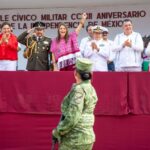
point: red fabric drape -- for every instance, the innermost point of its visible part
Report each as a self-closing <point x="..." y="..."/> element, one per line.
<point x="111" y="88"/>
<point x="139" y="93"/>
<point x="30" y="109"/>
<point x="43" y="92"/>
<point x="33" y="132"/>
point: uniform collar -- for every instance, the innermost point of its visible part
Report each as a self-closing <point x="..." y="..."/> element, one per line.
<point x="83" y="82"/>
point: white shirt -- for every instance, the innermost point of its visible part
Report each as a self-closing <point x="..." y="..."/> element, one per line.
<point x="100" y="58"/>
<point x="112" y="54"/>
<point x="83" y="44"/>
<point x="128" y="56"/>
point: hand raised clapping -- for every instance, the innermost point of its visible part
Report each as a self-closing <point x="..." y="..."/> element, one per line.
<point x="127" y="43"/>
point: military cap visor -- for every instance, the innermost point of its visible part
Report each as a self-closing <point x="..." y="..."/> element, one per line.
<point x="39" y="25"/>
<point x="84" y="64"/>
<point x="97" y="29"/>
<point x="104" y="29"/>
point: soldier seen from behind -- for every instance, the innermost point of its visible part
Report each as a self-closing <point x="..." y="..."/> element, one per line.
<point x="75" y="130"/>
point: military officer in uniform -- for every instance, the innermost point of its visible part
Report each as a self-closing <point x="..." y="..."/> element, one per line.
<point x="37" y="48"/>
<point x="75" y="130"/>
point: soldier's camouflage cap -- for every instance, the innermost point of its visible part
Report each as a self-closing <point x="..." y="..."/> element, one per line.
<point x="39" y="25"/>
<point x="84" y="64"/>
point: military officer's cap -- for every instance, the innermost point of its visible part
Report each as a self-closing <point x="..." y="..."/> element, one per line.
<point x="104" y="29"/>
<point x="84" y="64"/>
<point x="39" y="25"/>
<point x="97" y="29"/>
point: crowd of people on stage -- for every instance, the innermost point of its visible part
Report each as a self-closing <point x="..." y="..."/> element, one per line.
<point x="128" y="52"/>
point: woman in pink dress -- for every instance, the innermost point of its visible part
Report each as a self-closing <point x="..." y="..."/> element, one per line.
<point x="65" y="47"/>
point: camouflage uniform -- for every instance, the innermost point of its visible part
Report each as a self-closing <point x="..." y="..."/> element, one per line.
<point x="76" y="130"/>
<point x="39" y="57"/>
<point x="76" y="147"/>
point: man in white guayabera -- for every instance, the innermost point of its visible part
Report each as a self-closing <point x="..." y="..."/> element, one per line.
<point x="128" y="47"/>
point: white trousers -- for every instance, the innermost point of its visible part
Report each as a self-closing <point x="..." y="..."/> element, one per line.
<point x="8" y="65"/>
<point x="129" y="69"/>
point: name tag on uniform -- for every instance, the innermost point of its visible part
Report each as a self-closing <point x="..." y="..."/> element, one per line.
<point x="101" y="45"/>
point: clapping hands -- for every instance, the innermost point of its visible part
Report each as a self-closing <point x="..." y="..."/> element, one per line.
<point x="127" y="43"/>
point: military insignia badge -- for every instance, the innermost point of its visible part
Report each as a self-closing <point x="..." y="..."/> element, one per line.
<point x="46" y="42"/>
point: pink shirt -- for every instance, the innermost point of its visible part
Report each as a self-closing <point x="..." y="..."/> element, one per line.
<point x="65" y="53"/>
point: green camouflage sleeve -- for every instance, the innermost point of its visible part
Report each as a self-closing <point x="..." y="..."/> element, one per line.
<point x="74" y="112"/>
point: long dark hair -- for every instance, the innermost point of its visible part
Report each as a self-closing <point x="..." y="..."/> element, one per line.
<point x="66" y="35"/>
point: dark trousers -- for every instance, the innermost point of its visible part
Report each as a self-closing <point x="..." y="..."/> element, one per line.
<point x="111" y="66"/>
